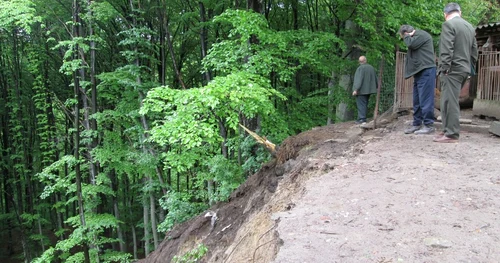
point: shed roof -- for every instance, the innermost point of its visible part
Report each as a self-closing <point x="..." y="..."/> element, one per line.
<point x="489" y="25"/>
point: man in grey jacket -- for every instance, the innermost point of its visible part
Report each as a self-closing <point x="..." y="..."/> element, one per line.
<point x="420" y="63"/>
<point x="365" y="84"/>
<point x="457" y="54"/>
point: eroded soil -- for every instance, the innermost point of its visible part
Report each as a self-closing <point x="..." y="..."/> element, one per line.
<point x="342" y="194"/>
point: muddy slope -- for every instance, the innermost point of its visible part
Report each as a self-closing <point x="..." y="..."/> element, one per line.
<point x="245" y="229"/>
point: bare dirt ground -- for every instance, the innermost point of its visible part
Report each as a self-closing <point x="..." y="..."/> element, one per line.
<point x="404" y="198"/>
<point x="342" y="194"/>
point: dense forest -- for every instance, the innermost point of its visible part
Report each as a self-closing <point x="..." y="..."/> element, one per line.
<point x="121" y="118"/>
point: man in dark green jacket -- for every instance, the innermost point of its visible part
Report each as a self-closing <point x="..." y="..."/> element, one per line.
<point x="457" y="53"/>
<point x="420" y="63"/>
<point x="365" y="84"/>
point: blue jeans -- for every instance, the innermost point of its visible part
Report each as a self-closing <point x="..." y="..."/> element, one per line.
<point x="423" y="97"/>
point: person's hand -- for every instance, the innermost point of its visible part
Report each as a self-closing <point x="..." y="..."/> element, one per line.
<point x="444" y="72"/>
<point x="354" y="93"/>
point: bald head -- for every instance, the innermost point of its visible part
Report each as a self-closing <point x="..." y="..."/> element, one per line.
<point x="362" y="60"/>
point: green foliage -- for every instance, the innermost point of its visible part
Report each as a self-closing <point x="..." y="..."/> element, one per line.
<point x="225" y="173"/>
<point x="52" y="179"/>
<point x="480" y="11"/>
<point x="192" y="117"/>
<point x="91" y="233"/>
<point x="192" y="256"/>
<point x="20" y="13"/>
<point x="180" y="207"/>
<point x="111" y="256"/>
<point x="70" y="64"/>
<point x="309" y="111"/>
<point x="135" y="39"/>
<point x="47" y="256"/>
<point x="274" y="52"/>
<point x="253" y="154"/>
<point x="104" y="11"/>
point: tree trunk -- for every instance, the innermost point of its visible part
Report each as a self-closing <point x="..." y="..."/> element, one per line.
<point x="146" y="221"/>
<point x="60" y="219"/>
<point x="331" y="107"/>
<point x="154" y="225"/>
<point x="76" y="135"/>
<point x="129" y="202"/>
<point x="119" y="231"/>
<point x="162" y="68"/>
<point x="39" y="224"/>
<point x="134" y="238"/>
<point x="203" y="39"/>
<point x="172" y="55"/>
<point x="254" y="5"/>
<point x="92" y="123"/>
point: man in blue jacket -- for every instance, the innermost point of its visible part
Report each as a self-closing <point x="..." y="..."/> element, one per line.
<point x="457" y="53"/>
<point x="421" y="64"/>
<point x="365" y="84"/>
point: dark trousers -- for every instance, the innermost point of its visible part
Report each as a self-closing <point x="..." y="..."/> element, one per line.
<point x="451" y="85"/>
<point x="362" y="104"/>
<point x="423" y="97"/>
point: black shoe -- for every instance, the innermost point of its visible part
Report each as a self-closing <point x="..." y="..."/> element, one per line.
<point x="426" y="130"/>
<point x="412" y="129"/>
<point x="360" y="122"/>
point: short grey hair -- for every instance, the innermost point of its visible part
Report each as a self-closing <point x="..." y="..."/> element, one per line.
<point x="451" y="7"/>
<point x="405" y="29"/>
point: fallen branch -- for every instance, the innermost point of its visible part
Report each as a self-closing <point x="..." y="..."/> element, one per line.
<point x="271" y="147"/>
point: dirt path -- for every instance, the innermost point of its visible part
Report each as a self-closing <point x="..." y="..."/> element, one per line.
<point x="403" y="199"/>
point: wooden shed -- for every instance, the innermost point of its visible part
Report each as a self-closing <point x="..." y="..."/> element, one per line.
<point x="487" y="99"/>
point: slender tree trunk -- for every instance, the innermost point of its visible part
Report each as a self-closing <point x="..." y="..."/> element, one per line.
<point x="203" y="40"/>
<point x="162" y="68"/>
<point x="310" y="16"/>
<point x="134" y="238"/>
<point x="119" y="231"/>
<point x="154" y="225"/>
<point x="93" y="98"/>
<point x="76" y="135"/>
<point x="128" y="201"/>
<point x="91" y="109"/>
<point x="60" y="220"/>
<point x="254" y="5"/>
<point x="295" y="15"/>
<point x="169" y="176"/>
<point x="172" y="55"/>
<point x="178" y="182"/>
<point x="146" y="221"/>
<point x="331" y="107"/>
<point x="39" y="224"/>
<point x="7" y="192"/>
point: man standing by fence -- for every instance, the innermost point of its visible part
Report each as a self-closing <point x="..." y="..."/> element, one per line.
<point x="365" y="84"/>
<point x="421" y="64"/>
<point x="457" y="54"/>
